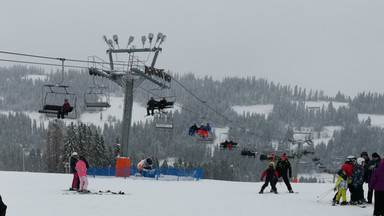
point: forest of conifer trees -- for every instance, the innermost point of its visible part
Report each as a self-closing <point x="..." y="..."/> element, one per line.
<point x="48" y="148"/>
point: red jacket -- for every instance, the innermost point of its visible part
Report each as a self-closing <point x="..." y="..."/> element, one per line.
<point x="270" y="177"/>
<point x="348" y="168"/>
<point x="66" y="106"/>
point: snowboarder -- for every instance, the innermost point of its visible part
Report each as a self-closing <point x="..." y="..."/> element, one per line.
<point x="3" y="207"/>
<point x="377" y="184"/>
<point x="341" y="186"/>
<point x="283" y="167"/>
<point x="75" y="181"/>
<point x="271" y="177"/>
<point x="81" y="167"/>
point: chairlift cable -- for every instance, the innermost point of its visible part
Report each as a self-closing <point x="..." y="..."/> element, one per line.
<point x="41" y="63"/>
<point x="214" y="110"/>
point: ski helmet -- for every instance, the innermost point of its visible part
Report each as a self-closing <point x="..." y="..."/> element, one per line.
<point x="271" y="164"/>
<point x="360" y="160"/>
<point x="74" y="154"/>
<point x="351" y="158"/>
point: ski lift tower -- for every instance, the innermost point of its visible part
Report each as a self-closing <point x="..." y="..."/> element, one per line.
<point x="130" y="73"/>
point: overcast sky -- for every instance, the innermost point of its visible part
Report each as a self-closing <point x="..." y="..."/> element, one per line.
<point x="321" y="44"/>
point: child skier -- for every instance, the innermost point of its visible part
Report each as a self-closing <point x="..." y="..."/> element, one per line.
<point x="271" y="177"/>
<point x="342" y="185"/>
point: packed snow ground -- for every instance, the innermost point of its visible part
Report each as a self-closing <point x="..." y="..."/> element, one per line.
<point x="43" y="194"/>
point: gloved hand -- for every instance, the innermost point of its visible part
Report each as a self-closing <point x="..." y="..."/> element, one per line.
<point x="356" y="186"/>
<point x="335" y="189"/>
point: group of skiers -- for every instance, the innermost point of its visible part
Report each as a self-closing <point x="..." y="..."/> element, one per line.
<point x="203" y="130"/>
<point x="79" y="168"/>
<point x="283" y="170"/>
<point x="354" y="173"/>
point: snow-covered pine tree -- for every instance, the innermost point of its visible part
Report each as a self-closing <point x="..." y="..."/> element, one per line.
<point x="54" y="140"/>
<point x="69" y="144"/>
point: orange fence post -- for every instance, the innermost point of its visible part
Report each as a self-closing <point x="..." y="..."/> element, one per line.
<point x="123" y="166"/>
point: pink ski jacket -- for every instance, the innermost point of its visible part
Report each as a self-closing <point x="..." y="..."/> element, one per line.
<point x="81" y="168"/>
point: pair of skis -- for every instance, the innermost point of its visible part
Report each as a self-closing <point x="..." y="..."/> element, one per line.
<point x="107" y="192"/>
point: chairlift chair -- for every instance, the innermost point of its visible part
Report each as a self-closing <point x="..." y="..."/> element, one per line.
<point x="227" y="142"/>
<point x="163" y="122"/>
<point x="54" y="95"/>
<point x="96" y="98"/>
<point x="206" y="139"/>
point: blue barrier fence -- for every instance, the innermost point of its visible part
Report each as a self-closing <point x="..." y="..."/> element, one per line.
<point x="155" y="173"/>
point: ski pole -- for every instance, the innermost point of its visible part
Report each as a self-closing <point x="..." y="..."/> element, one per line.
<point x="321" y="196"/>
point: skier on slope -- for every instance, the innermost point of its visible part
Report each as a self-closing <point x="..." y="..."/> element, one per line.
<point x="348" y="169"/>
<point x="283" y="167"/>
<point x="341" y="186"/>
<point x="357" y="195"/>
<point x="82" y="167"/>
<point x="75" y="181"/>
<point x="377" y="184"/>
<point x="271" y="177"/>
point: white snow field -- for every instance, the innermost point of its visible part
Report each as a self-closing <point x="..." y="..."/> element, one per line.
<point x="376" y="120"/>
<point x="43" y="194"/>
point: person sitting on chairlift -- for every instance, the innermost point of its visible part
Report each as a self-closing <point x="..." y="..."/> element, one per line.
<point x="151" y="106"/>
<point x="193" y="129"/>
<point x="206" y="129"/>
<point x="201" y="131"/>
<point x="162" y="103"/>
<point x="64" y="109"/>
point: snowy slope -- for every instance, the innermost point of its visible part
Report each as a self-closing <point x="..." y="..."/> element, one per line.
<point x="29" y="194"/>
<point x="376" y="120"/>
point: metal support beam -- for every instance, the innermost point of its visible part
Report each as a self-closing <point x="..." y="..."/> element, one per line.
<point x="127" y="115"/>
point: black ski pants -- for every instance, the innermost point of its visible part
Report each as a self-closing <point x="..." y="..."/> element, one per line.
<point x="286" y="181"/>
<point x="370" y="194"/>
<point x="3" y="208"/>
<point x="379" y="203"/>
<point x="356" y="193"/>
<point x="273" y="185"/>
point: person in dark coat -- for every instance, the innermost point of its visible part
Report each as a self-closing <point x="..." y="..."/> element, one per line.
<point x="193" y="129"/>
<point x="271" y="177"/>
<point x="151" y="106"/>
<point x="76" y="180"/>
<point x="64" y="109"/>
<point x="357" y="195"/>
<point x="3" y="207"/>
<point x="284" y="169"/>
<point x="377" y="184"/>
<point x="162" y="103"/>
<point x="365" y="156"/>
<point x="371" y="166"/>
